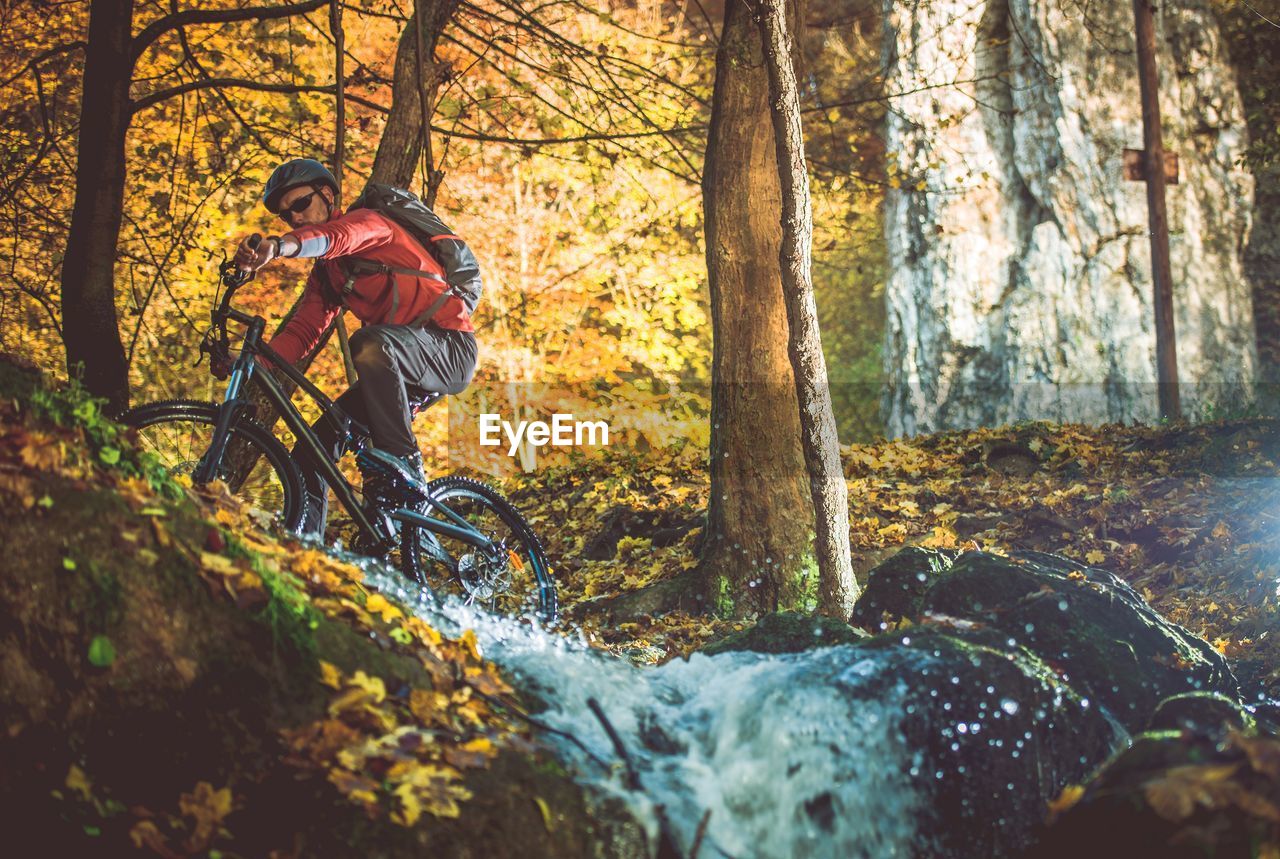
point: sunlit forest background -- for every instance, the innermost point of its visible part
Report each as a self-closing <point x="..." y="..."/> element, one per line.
<point x="569" y="140"/>
<point x="570" y="137"/>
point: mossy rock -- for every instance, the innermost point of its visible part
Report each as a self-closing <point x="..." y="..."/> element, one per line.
<point x="787" y="632"/>
<point x="896" y="587"/>
<point x="1181" y="794"/>
<point x="1087" y="623"/>
<point x="991" y="732"/>
<point x="1203" y="713"/>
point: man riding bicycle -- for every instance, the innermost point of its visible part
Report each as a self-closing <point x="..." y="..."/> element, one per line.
<point x="417" y="337"/>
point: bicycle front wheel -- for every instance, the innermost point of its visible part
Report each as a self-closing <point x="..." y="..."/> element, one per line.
<point x="517" y="582"/>
<point x="179" y="432"/>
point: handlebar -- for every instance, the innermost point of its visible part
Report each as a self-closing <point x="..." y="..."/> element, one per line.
<point x="232" y="278"/>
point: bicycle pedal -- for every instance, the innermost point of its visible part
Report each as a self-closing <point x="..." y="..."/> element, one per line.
<point x="400" y="484"/>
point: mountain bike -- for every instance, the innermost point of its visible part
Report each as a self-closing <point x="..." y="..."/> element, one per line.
<point x="483" y="545"/>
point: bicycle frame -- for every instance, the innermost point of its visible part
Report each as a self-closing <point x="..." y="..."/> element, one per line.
<point x="242" y="372"/>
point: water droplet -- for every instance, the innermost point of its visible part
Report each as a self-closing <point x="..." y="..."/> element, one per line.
<point x="1009" y="705"/>
<point x="1062" y="605"/>
<point x="990" y="690"/>
<point x="1030" y="628"/>
<point x="921" y="577"/>
<point x="962" y="728"/>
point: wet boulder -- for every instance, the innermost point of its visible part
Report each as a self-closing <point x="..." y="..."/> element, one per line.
<point x="895" y="588"/>
<point x="1176" y="794"/>
<point x="1086" y="623"/>
<point x="993" y="732"/>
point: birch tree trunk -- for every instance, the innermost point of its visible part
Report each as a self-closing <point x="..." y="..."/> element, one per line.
<point x="837" y="589"/>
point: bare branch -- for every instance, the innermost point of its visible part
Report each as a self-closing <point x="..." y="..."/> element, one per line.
<point x="241" y="83"/>
<point x="217" y="16"/>
<point x="552" y="141"/>
<point x="41" y="57"/>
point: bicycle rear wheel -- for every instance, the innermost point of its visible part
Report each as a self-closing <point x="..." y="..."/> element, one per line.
<point x="518" y="583"/>
<point x="180" y="431"/>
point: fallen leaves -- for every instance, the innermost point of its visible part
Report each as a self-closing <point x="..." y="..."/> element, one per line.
<point x="196" y="828"/>
<point x="1177" y="792"/>
<point x="236" y="578"/>
<point x="1065" y="800"/>
<point x="42" y="452"/>
<point x="401" y="756"/>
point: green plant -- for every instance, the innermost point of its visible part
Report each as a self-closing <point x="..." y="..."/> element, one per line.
<point x="75" y="408"/>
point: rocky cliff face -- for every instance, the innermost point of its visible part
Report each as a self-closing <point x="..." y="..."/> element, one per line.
<point x="1020" y="283"/>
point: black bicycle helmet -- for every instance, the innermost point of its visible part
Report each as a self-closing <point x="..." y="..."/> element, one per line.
<point x="291" y="174"/>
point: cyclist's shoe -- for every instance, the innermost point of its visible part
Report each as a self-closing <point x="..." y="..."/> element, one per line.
<point x="390" y="483"/>
<point x="395" y="480"/>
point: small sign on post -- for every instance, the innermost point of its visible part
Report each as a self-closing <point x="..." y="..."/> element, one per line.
<point x="1135" y="166"/>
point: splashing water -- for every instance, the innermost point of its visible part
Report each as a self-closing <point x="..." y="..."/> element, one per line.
<point x="779" y="749"/>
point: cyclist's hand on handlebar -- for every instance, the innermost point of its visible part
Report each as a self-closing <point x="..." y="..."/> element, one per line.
<point x="253" y="253"/>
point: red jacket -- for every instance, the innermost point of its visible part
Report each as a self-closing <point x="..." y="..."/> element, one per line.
<point x="368" y="235"/>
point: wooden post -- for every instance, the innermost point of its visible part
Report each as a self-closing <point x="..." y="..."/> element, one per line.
<point x="340" y="154"/>
<point x="1161" y="272"/>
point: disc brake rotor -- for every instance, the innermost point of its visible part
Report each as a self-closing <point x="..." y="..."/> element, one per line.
<point x="484" y="578"/>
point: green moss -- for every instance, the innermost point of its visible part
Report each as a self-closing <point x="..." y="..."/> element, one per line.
<point x="18" y="383"/>
<point x="103" y="599"/>
<point x="288" y="611"/>
<point x="724" y="596"/>
<point x="808" y="577"/>
<point x="787" y="632"/>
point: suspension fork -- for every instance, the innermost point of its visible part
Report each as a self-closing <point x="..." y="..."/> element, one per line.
<point x="232" y="407"/>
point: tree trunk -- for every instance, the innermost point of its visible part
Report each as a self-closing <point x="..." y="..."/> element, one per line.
<point x="412" y="91"/>
<point x="89" y="325"/>
<point x="757" y="555"/>
<point x="837" y="589"/>
<point x="398" y="153"/>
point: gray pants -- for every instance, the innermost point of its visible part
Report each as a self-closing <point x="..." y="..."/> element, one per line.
<point x="394" y="363"/>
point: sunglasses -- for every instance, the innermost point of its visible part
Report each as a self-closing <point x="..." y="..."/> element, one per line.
<point x="298" y="206"/>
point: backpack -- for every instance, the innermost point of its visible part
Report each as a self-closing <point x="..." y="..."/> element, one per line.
<point x="462" y="271"/>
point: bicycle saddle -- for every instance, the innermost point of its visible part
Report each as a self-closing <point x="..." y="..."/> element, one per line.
<point x="420" y="398"/>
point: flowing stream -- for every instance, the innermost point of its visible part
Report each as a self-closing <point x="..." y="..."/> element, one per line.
<point x="778" y="753"/>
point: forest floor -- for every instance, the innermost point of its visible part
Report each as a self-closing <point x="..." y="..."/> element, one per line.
<point x="1187" y="514"/>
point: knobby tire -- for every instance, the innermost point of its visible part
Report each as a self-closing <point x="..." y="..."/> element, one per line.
<point x="191" y="414"/>
<point x="532" y="589"/>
